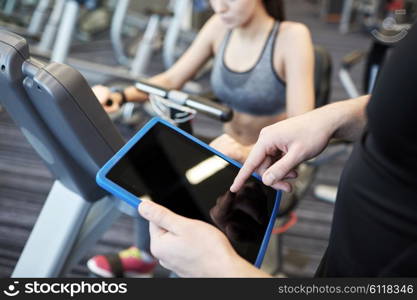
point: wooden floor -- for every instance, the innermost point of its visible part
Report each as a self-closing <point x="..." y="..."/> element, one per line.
<point x="25" y="182"/>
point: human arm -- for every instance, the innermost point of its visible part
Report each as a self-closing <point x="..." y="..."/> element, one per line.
<point x="295" y="58"/>
<point x="286" y="144"/>
<point x="298" y="66"/>
<point x="175" y="77"/>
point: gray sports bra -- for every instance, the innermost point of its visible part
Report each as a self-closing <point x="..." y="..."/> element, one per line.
<point x="258" y="91"/>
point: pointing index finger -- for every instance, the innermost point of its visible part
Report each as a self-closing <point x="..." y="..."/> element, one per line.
<point x="255" y="158"/>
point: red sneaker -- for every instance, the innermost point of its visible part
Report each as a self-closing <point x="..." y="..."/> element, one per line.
<point x="131" y="262"/>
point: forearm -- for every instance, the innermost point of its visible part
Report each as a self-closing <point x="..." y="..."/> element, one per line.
<point x="166" y="80"/>
<point x="238" y="267"/>
<point x="247" y="270"/>
<point x="344" y="120"/>
<point x="347" y="118"/>
<point x="187" y="65"/>
<point x="162" y="80"/>
<point x="300" y="101"/>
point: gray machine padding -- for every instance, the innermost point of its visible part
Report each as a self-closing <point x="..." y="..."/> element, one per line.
<point x="59" y="115"/>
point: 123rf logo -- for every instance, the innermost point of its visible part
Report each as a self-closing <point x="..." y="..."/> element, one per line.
<point x="72" y="289"/>
<point x="12" y="290"/>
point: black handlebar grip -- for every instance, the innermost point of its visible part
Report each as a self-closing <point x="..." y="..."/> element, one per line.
<point x="201" y="104"/>
<point x="211" y="108"/>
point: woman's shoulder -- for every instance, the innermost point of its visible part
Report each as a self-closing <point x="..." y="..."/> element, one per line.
<point x="214" y="30"/>
<point x="213" y="26"/>
<point x="290" y="29"/>
<point x="292" y="36"/>
<point x="294" y="39"/>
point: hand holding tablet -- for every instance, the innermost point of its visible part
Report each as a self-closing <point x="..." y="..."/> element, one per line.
<point x="172" y="168"/>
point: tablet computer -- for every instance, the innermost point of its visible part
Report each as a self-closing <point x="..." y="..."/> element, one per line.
<point x="167" y="165"/>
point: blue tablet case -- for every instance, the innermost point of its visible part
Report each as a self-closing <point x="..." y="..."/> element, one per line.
<point x="134" y="201"/>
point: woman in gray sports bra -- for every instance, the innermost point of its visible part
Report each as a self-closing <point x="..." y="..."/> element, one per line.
<point x="259" y="91"/>
<point x="257" y="95"/>
<point x="263" y="69"/>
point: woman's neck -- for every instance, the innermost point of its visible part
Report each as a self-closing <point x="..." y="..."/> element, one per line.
<point x="258" y="23"/>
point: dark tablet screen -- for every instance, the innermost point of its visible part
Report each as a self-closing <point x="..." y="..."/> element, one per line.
<point x="194" y="182"/>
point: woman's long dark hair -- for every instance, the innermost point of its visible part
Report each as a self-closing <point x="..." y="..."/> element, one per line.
<point x="275" y="9"/>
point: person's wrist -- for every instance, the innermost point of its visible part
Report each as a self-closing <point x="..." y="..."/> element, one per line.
<point x="335" y="116"/>
<point x="134" y="95"/>
<point x="349" y="118"/>
<point x="247" y="270"/>
<point x="332" y="118"/>
<point x="119" y="95"/>
<point x="123" y="98"/>
<point x="234" y="266"/>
